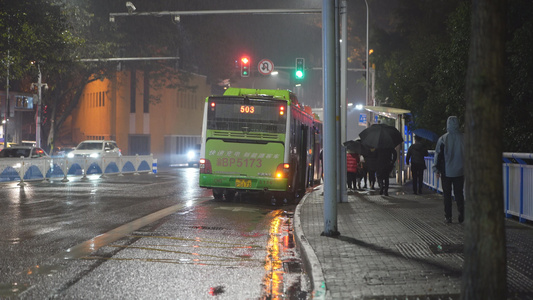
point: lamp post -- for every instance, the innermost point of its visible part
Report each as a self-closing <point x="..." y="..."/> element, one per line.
<point x="6" y="112"/>
<point x="367" y="62"/>
<point x="39" y="85"/>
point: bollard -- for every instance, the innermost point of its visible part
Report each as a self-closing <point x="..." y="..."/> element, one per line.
<point x="103" y="168"/>
<point x="136" y="165"/>
<point x="85" y="168"/>
<point x="154" y="165"/>
<point x="65" y="172"/>
<point x="22" y="183"/>
<point x="120" y="166"/>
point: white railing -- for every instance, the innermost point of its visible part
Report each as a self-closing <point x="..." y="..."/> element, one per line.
<point x="517" y="184"/>
<point x="28" y="169"/>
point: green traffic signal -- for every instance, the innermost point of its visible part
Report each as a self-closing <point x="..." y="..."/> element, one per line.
<point x="300" y="68"/>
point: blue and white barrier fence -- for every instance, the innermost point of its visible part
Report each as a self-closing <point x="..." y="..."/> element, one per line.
<point x="517" y="183"/>
<point x="31" y="169"/>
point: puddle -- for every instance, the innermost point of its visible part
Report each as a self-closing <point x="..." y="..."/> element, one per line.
<point x="283" y="272"/>
<point x="9" y="290"/>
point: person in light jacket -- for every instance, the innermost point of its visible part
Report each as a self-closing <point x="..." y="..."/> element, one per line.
<point x="453" y="172"/>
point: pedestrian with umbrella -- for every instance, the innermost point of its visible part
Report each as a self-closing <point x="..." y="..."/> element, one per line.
<point x="371" y="161"/>
<point x="386" y="157"/>
<point x="384" y="139"/>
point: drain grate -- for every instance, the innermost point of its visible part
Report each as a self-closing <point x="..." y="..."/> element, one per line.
<point x="207" y="227"/>
<point x="292" y="266"/>
<point x="414" y="250"/>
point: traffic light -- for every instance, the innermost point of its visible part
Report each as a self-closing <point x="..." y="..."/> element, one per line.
<point x="245" y="67"/>
<point x="300" y="64"/>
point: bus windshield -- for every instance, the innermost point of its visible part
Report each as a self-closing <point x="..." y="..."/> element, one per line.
<point x="250" y="115"/>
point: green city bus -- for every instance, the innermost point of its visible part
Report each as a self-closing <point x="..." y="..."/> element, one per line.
<point x="256" y="140"/>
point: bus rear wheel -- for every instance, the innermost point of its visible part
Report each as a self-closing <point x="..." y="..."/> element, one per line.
<point x="230" y="195"/>
<point x="283" y="198"/>
<point x="218" y="194"/>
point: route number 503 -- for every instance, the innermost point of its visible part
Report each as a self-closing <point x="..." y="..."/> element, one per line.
<point x="247" y="109"/>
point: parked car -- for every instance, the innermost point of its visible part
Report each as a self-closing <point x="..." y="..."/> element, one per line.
<point x="17" y="151"/>
<point x="63" y="151"/>
<point x="96" y="148"/>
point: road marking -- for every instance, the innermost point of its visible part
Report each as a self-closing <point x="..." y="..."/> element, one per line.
<point x="238" y="208"/>
<point x="104" y="239"/>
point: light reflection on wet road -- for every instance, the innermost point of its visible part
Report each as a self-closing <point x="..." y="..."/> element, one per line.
<point x="143" y="237"/>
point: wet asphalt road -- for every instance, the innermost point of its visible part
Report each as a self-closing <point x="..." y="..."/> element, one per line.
<point x="143" y="237"/>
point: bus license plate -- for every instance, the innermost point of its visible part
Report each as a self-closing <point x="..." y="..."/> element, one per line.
<point x="243" y="183"/>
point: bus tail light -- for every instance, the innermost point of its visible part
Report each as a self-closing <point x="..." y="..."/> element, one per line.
<point x="282" y="171"/>
<point x="205" y="166"/>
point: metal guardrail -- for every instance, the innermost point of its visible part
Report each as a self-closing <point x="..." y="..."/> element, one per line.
<point x="32" y="169"/>
<point x="517" y="171"/>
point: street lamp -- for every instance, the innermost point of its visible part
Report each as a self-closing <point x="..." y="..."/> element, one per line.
<point x="39" y="85"/>
<point x="367" y="62"/>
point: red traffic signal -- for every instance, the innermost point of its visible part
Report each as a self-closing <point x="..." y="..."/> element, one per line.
<point x="245" y="67"/>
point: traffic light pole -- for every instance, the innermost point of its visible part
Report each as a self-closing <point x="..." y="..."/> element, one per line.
<point x="330" y="145"/>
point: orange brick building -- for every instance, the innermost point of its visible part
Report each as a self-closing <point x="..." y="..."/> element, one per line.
<point x="166" y="121"/>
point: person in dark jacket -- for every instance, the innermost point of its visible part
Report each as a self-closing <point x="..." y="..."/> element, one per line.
<point x="415" y="157"/>
<point x="352" y="160"/>
<point x="386" y="158"/>
<point x="453" y="177"/>
<point x="371" y="161"/>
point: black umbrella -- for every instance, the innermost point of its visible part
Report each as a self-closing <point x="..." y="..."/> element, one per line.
<point x="381" y="136"/>
<point x="426" y="134"/>
<point x="355" y="146"/>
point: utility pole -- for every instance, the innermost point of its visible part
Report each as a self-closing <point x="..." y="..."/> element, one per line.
<point x="343" y="10"/>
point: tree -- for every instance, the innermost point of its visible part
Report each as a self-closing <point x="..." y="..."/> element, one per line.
<point x="407" y="57"/>
<point x="35" y="32"/>
<point x="484" y="271"/>
<point x="518" y="107"/>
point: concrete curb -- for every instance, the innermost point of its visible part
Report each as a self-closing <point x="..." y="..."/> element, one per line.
<point x="311" y="262"/>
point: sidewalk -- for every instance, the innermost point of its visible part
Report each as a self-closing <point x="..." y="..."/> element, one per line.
<point x="397" y="247"/>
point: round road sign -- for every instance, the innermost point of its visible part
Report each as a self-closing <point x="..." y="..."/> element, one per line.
<point x="265" y="66"/>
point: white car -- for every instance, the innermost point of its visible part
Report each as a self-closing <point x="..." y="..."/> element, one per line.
<point x="17" y="151"/>
<point x="95" y="149"/>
